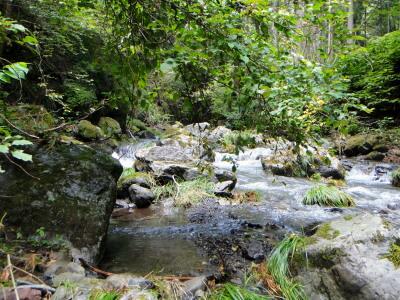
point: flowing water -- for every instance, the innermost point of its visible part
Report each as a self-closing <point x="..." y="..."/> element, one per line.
<point x="162" y="239"/>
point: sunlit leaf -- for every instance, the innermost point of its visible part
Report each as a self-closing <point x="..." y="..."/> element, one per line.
<point x="20" y="154"/>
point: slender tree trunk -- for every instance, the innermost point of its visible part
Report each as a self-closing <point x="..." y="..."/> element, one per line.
<point x="330" y="32"/>
<point x="350" y="21"/>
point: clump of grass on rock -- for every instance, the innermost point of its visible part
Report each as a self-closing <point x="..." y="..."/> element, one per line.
<point x="277" y="276"/>
<point x="396" y="178"/>
<point x="186" y="193"/>
<point x="394" y="254"/>
<point x="328" y="196"/>
<point x="234" y="292"/>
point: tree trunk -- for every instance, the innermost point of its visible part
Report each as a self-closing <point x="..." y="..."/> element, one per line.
<point x="350" y="21"/>
<point x="330" y="32"/>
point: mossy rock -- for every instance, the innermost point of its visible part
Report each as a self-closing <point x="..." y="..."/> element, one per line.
<point x="375" y="156"/>
<point x="74" y="197"/>
<point x="396" y="178"/>
<point x="130" y="177"/>
<point x="89" y="131"/>
<point x="30" y="118"/>
<point x="109" y="126"/>
<point x="381" y="148"/>
<point x="69" y="140"/>
<point x="137" y="123"/>
<point x="361" y="144"/>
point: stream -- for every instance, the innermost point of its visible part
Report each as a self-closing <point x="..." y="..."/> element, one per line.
<point x="168" y="240"/>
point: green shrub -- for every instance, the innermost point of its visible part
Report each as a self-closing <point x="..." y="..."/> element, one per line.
<point x="235" y="141"/>
<point x="374" y="72"/>
<point x="79" y="95"/>
<point x="328" y="196"/>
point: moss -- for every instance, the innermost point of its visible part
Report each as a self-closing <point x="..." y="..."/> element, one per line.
<point x="316" y="177"/>
<point x="361" y="144"/>
<point x="89" y="131"/>
<point x="394" y="254"/>
<point x="336" y="182"/>
<point x="375" y="156"/>
<point x="348" y="217"/>
<point x="326" y="232"/>
<point x="137" y="123"/>
<point x="381" y="148"/>
<point x="30" y="118"/>
<point x="129" y="174"/>
<point x="69" y="140"/>
<point x="328" y="196"/>
<point x="386" y="224"/>
<point x="396" y="178"/>
<point x="109" y="126"/>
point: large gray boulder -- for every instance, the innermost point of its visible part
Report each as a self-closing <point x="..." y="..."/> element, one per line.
<point x="169" y="161"/>
<point x="70" y="191"/>
<point x="346" y="260"/>
<point x="218" y="133"/>
<point x="198" y="129"/>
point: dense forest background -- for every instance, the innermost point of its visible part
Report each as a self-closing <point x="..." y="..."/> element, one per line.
<point x="297" y="69"/>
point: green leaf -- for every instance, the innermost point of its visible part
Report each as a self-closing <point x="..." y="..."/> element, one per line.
<point x="21" y="143"/>
<point x="4" y="148"/>
<point x="30" y="40"/>
<point x="245" y="59"/>
<point x="17" y="27"/>
<point x="20" y="154"/>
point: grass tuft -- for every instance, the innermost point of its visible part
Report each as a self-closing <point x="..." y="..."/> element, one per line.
<point x="104" y="295"/>
<point x="186" y="193"/>
<point x="234" y="292"/>
<point x="328" y="196"/>
<point x="394" y="254"/>
<point x="278" y="268"/>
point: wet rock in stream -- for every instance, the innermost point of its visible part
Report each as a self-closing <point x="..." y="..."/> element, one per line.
<point x="71" y="192"/>
<point x="142" y="197"/>
<point x="347" y="260"/>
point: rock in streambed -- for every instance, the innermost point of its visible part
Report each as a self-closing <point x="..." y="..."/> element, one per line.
<point x="70" y="191"/>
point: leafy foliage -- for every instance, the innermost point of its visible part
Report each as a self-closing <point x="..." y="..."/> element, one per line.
<point x="328" y="196"/>
<point x="374" y="72"/>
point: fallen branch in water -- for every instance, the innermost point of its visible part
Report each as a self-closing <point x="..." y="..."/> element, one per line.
<point x="93" y="269"/>
<point x="175" y="278"/>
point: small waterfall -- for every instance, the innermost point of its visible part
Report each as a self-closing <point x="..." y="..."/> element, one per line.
<point x="126" y="153"/>
<point x="368" y="172"/>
